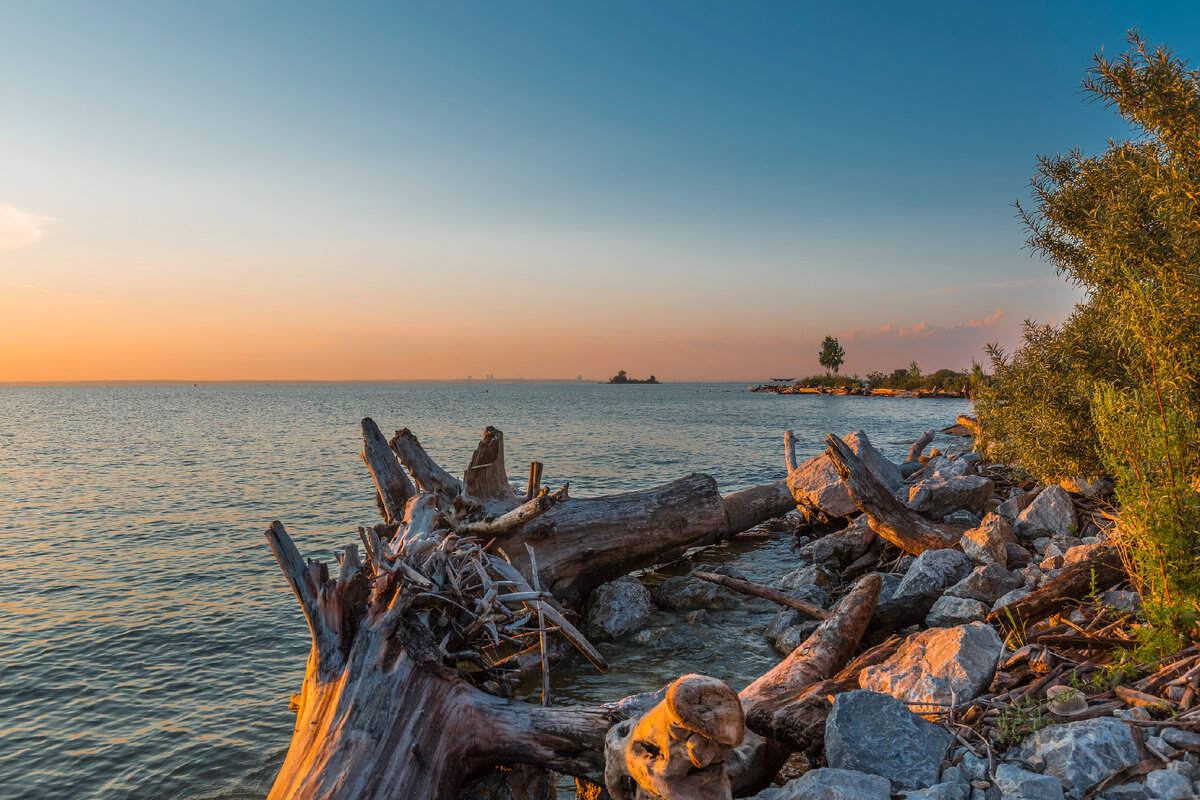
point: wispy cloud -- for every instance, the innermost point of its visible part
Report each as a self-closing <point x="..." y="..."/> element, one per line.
<point x="923" y="330"/>
<point x="20" y="228"/>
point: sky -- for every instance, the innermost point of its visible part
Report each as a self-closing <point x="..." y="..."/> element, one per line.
<point x="695" y="190"/>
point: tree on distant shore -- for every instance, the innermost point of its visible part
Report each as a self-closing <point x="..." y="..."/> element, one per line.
<point x="832" y="354"/>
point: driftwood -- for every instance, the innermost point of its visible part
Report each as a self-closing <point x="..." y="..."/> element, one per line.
<point x="418" y="644"/>
<point x="1101" y="571"/>
<point x="889" y="518"/>
<point x="765" y="592"/>
<point x="580" y="543"/>
<point x="918" y="447"/>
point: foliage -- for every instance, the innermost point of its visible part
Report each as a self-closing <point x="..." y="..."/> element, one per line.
<point x="1117" y="387"/>
<point x="1020" y="719"/>
<point x="621" y="377"/>
<point x="832" y="355"/>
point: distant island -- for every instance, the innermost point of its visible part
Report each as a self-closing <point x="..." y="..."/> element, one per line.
<point x="621" y="377"/>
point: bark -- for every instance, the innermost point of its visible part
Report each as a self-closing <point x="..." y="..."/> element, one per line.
<point x="918" y="447"/>
<point x="390" y="481"/>
<point x="888" y="517"/>
<point x="1102" y="570"/>
<point x="765" y="592"/>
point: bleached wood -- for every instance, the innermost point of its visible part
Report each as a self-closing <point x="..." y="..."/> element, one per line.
<point x="393" y="485"/>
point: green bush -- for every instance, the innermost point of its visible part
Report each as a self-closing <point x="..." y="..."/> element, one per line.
<point x="1117" y="387"/>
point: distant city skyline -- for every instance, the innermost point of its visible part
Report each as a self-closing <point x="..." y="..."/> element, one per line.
<point x="699" y="191"/>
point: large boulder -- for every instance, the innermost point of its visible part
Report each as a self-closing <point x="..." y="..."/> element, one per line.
<point x="1165" y="784"/>
<point x="1021" y="784"/>
<point x="1082" y="753"/>
<point x="816" y="483"/>
<point x="986" y="543"/>
<point x="936" y="497"/>
<point x="617" y="608"/>
<point x="986" y="584"/>
<point x="948" y="611"/>
<point x="829" y="783"/>
<point x="1051" y="513"/>
<point x="934" y="569"/>
<point x="938" y="666"/>
<point x="876" y="733"/>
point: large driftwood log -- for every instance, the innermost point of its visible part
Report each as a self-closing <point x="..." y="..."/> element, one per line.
<point x="580" y="542"/>
<point x="888" y="517"/>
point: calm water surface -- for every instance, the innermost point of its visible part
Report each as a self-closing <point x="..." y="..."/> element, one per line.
<point x="150" y="643"/>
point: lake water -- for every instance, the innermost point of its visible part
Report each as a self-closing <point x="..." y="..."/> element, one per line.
<point x="150" y="643"/>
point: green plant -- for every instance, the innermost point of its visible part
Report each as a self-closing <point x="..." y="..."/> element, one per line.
<point x="1020" y="719"/>
<point x="832" y="354"/>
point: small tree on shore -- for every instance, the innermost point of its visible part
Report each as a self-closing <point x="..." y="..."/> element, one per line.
<point x="832" y="354"/>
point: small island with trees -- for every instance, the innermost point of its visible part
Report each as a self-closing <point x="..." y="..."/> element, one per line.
<point x="621" y="377"/>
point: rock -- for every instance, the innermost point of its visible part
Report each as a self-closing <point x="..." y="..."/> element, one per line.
<point x="876" y="733"/>
<point x="1163" y="784"/>
<point x="934" y="569"/>
<point x="787" y="617"/>
<point x="1011" y="597"/>
<point x="1019" y="784"/>
<point x="829" y="783"/>
<point x="816" y="482"/>
<point x="617" y="608"/>
<point x="948" y="611"/>
<point x="1015" y="504"/>
<point x="1126" y="791"/>
<point x="1096" y="487"/>
<point x="1177" y="737"/>
<point x="941" y="791"/>
<point x="835" y="549"/>
<point x="986" y="584"/>
<point x="985" y="543"/>
<point x="1082" y="552"/>
<point x="1017" y="556"/>
<point x="937" y="497"/>
<point x="973" y="767"/>
<point x="944" y="467"/>
<point x="885" y="471"/>
<point x="811" y="575"/>
<point x="1122" y="599"/>
<point x="688" y="593"/>
<point x="1082" y="753"/>
<point x="938" y="665"/>
<point x="910" y="467"/>
<point x="1051" y="512"/>
<point x="962" y="517"/>
<point x="793" y="637"/>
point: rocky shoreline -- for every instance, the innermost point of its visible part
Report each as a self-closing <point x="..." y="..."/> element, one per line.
<point x="787" y="388"/>
<point x="987" y="693"/>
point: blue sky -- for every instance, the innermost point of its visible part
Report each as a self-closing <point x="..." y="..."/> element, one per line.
<point x="719" y="184"/>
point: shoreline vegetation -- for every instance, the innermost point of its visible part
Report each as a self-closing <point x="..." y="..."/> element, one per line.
<point x="622" y="378"/>
<point x="904" y="382"/>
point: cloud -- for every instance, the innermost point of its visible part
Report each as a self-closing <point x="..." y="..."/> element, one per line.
<point x="923" y="330"/>
<point x="20" y="228"/>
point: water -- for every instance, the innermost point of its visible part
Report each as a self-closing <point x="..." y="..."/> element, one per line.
<point x="150" y="643"/>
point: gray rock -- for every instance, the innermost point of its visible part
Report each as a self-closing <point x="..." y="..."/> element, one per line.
<point x="1164" y="784"/>
<point x="1019" y="784"/>
<point x="987" y="542"/>
<point x="1082" y="753"/>
<point x="973" y="767"/>
<point x="835" y="549"/>
<point x="1177" y="737"/>
<point x="1082" y="552"/>
<point x="793" y="637"/>
<point x="617" y="608"/>
<point x="810" y="575"/>
<point x="1011" y="597"/>
<point x="1126" y="791"/>
<point x="964" y="518"/>
<point x="1122" y="599"/>
<point x="986" y="584"/>
<point x="688" y="593"/>
<point x="1051" y="512"/>
<point x="937" y="497"/>
<point x="885" y="471"/>
<point x="941" y="791"/>
<point x="1015" y="504"/>
<point x="1017" y="556"/>
<point x="938" y="665"/>
<point x="934" y="569"/>
<point x="830" y="783"/>
<point x="1095" y="487"/>
<point x="948" y="611"/>
<point x="910" y="468"/>
<point x="877" y="734"/>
